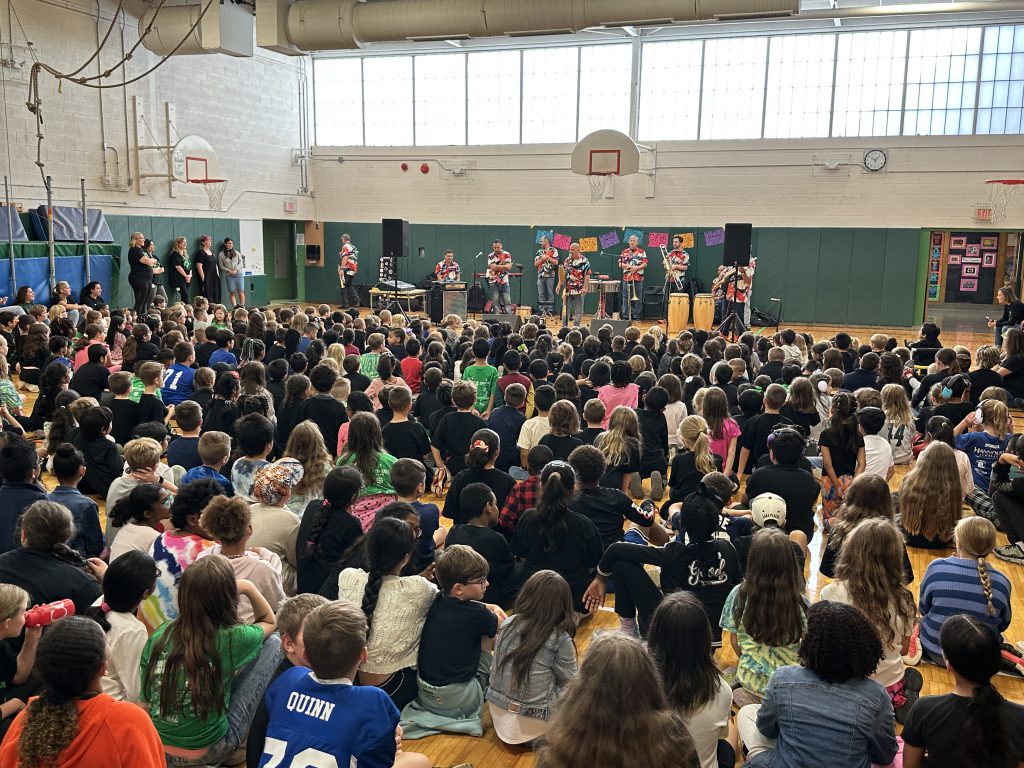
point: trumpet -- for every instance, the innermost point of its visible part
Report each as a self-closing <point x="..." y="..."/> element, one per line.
<point x="669" y="272"/>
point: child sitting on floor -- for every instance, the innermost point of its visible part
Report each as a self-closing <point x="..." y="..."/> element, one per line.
<point x="480" y="509"/>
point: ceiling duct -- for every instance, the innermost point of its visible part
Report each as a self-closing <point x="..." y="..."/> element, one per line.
<point x="323" y="25"/>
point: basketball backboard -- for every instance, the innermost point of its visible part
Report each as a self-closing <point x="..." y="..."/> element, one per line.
<point x="605" y="152"/>
<point x="193" y="159"/>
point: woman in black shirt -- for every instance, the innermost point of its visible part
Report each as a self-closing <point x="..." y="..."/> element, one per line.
<point x="205" y="261"/>
<point x="180" y="276"/>
<point x="1013" y="312"/>
<point x="141" y="266"/>
<point x="91" y="295"/>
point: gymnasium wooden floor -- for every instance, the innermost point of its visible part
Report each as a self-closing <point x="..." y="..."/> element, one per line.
<point x="489" y="752"/>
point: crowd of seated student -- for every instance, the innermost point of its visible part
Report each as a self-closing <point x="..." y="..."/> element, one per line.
<point x="307" y="439"/>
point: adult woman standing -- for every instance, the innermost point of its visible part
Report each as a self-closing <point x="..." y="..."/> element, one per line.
<point x="208" y="270"/>
<point x="140" y="274"/>
<point x="157" y="287"/>
<point x="1013" y="313"/>
<point x="181" y="271"/>
<point x="230" y="261"/>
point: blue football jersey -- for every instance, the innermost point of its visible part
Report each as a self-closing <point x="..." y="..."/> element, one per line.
<point x="327" y="725"/>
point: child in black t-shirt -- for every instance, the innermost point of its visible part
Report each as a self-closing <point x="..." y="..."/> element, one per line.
<point x="405" y="439"/>
<point x="753" y="442"/>
<point x="564" y="422"/>
<point x="124" y="411"/>
<point x="842" y="455"/>
<point x="654" y="440"/>
<point x="427" y="401"/>
<point x="454" y="661"/>
<point x="593" y="414"/>
<point x="480" y="510"/>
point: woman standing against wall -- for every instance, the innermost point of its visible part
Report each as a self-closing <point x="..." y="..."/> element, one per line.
<point x="231" y="262"/>
<point x="209" y="273"/>
<point x="141" y="265"/>
<point x="181" y="271"/>
<point x="157" y="288"/>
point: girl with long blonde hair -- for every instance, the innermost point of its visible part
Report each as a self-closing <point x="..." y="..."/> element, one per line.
<point x="964" y="584"/>
<point x="621" y="448"/>
<point x="930" y="498"/>
<point x="675" y="411"/>
<point x="306" y="444"/>
<point x="692" y="463"/>
<point x="800" y="407"/>
<point x="870" y="578"/>
<point x="592" y="727"/>
<point x="983" y="435"/>
<point x="899" y="423"/>
<point x="722" y="428"/>
<point x="336" y="352"/>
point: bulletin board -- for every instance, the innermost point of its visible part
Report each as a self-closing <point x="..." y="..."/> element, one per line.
<point x="970" y="261"/>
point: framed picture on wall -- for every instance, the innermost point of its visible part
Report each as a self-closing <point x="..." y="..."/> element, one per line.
<point x="933" y="278"/>
<point x="954" y="258"/>
<point x="970" y="270"/>
<point x="958" y="242"/>
<point x="937" y="238"/>
<point x="988" y="258"/>
<point x="934" y="266"/>
<point x="933" y="292"/>
<point x="990" y="242"/>
<point x="936" y="252"/>
<point x="968" y="284"/>
<point x="973" y="250"/>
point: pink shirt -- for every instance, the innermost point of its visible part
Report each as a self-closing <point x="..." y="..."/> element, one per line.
<point x="720" y="446"/>
<point x="613" y="396"/>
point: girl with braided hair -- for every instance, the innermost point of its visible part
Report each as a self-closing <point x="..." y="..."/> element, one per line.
<point x="973" y="725"/>
<point x="328" y="528"/>
<point x="842" y="455"/>
<point x="964" y="583"/>
<point x="395" y="606"/>
<point x="705" y="565"/>
<point x="555" y="538"/>
<point x="72" y="722"/>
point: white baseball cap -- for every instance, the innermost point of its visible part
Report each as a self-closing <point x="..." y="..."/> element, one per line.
<point x="768" y="507"/>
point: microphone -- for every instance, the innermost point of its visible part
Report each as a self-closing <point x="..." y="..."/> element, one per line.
<point x="479" y="255"/>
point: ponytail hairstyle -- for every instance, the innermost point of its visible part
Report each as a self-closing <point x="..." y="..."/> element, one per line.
<point x="47" y="526"/>
<point x="844" y="420"/>
<point x="940" y="429"/>
<point x="389" y="543"/>
<point x="973" y="649"/>
<point x="70" y="656"/>
<point x="114" y="329"/>
<point x="296" y="387"/>
<point x="701" y="516"/>
<point x="558" y="483"/>
<point x="996" y="415"/>
<point x="896" y="405"/>
<point x="139" y="333"/>
<point x="483" y="448"/>
<point x="128" y="581"/>
<point x="134" y="507"/>
<point x="341" y="486"/>
<point x="62" y="421"/>
<point x="694" y="431"/>
<point x="975" y="538"/>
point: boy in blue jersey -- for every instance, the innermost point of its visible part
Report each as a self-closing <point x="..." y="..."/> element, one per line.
<point x="319" y="714"/>
<point x="178" y="379"/>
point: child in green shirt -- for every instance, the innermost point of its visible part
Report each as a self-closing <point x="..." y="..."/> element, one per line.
<point x="368" y="360"/>
<point x="484" y="376"/>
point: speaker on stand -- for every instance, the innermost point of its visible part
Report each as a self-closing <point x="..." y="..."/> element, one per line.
<point x="394" y="238"/>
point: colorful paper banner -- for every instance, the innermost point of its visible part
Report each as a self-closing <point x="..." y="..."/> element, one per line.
<point x="637" y="233"/>
<point x="657" y="239"/>
<point x="687" y="238"/>
<point x="548" y="233"/>
<point x="714" y="237"/>
<point x="588" y="244"/>
<point x="609" y="239"/>
<point x="561" y="242"/>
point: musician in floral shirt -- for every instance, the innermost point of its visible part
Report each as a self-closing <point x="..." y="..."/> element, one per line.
<point x="633" y="262"/>
<point x="577" y="282"/>
<point x="678" y="263"/>
<point x="499" y="264"/>
<point x="447" y="270"/>
<point x="546" y="261"/>
<point x="347" y="268"/>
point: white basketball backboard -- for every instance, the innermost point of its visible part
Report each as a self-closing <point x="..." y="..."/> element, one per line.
<point x="193" y="158"/>
<point x="605" y="152"/>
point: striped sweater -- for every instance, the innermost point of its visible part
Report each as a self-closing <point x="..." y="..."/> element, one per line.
<point x="952" y="585"/>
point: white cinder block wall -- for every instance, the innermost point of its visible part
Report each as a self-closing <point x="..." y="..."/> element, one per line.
<point x="929" y="181"/>
<point x="247" y="108"/>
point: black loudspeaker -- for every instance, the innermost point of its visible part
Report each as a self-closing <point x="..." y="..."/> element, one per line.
<point x="654" y="305"/>
<point x="618" y="326"/>
<point x="313" y="254"/>
<point x="737" y="244"/>
<point x="394" y="237"/>
<point x="475" y="299"/>
<point x="514" y="320"/>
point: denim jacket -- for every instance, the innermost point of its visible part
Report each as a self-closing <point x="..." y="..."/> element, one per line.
<point x="553" y="667"/>
<point x="847" y="724"/>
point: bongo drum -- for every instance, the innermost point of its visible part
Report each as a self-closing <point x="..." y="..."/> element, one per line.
<point x="703" y="311"/>
<point x="678" y="312"/>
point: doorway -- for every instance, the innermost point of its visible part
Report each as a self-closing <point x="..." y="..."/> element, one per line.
<point x="279" y="259"/>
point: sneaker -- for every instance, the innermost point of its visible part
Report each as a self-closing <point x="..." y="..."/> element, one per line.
<point x="1010" y="554"/>
<point x="914" y="650"/>
<point x="912" y="684"/>
<point x="636" y="489"/>
<point x="657" y="486"/>
<point x="649" y="508"/>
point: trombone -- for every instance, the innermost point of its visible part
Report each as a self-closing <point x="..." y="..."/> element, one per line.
<point x="669" y="273"/>
<point x="632" y="288"/>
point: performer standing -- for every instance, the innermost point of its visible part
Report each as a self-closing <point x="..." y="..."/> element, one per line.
<point x="633" y="262"/>
<point x="499" y="264"/>
<point x="348" y="266"/>
<point x="733" y="295"/>
<point x="678" y="263"/>
<point x="546" y="262"/>
<point x="448" y="270"/>
<point x="577" y="282"/>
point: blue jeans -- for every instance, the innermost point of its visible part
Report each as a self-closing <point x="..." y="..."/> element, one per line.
<point x="575" y="304"/>
<point x="633" y="309"/>
<point x="246" y="693"/>
<point x="501" y="295"/>
<point x="236" y="283"/>
<point x="546" y="294"/>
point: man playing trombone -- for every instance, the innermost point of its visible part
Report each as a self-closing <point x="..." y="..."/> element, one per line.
<point x="677" y="261"/>
<point x="633" y="262"/>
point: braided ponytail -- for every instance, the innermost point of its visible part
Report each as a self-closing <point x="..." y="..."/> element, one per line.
<point x="558" y="481"/>
<point x="388" y="544"/>
<point x="986" y="586"/>
<point x="975" y="538"/>
<point x="341" y="486"/>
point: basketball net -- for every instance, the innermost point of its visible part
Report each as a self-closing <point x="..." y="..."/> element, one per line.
<point x="999" y="193"/>
<point x="214" y="191"/>
<point x="598" y="185"/>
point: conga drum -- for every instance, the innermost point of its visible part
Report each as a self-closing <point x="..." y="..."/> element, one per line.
<point x="703" y="311"/>
<point x="678" y="312"/>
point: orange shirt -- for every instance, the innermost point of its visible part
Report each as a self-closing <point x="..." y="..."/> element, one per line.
<point x="111" y="734"/>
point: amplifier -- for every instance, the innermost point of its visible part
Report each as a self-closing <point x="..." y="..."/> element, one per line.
<point x="445" y="302"/>
<point x="457" y="286"/>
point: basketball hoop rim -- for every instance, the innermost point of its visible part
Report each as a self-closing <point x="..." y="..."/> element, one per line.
<point x="206" y="181"/>
<point x="1007" y="182"/>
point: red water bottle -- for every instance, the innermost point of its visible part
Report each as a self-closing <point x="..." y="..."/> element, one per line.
<point x="45" y="615"/>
